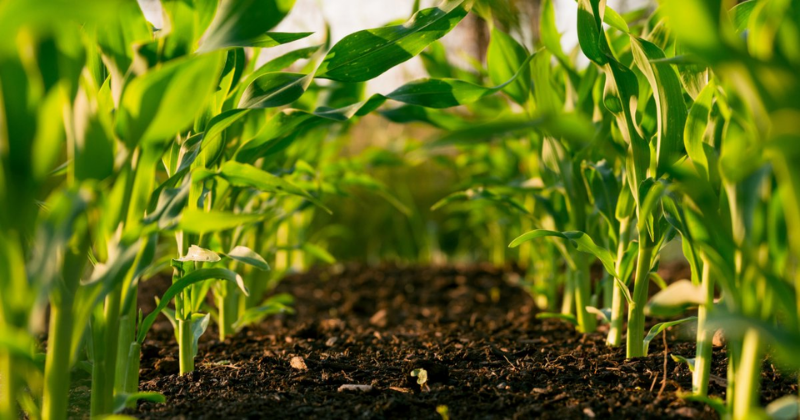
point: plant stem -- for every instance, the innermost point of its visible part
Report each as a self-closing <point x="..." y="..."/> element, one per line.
<point x="8" y="405"/>
<point x="614" y="338"/>
<point x="702" y="367"/>
<point x="607" y="283"/>
<point x="185" y="346"/>
<point x="733" y="361"/>
<point x="748" y="377"/>
<point x="497" y="245"/>
<point x="587" y="322"/>
<point x="98" y="367"/>
<point x="228" y="305"/>
<point x="636" y="310"/>
<point x="57" y="363"/>
<point x="568" y="302"/>
<point x="127" y="330"/>
<point x="112" y="315"/>
<point x="132" y="373"/>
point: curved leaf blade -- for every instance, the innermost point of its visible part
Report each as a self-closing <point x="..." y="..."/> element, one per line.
<point x="275" y="89"/>
<point x="184" y="282"/>
<point x="247" y="256"/>
<point x="366" y="54"/>
<point x="244" y="23"/>
<point x="658" y="328"/>
<point x="163" y="102"/>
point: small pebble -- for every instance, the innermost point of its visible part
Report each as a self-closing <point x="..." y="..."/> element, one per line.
<point x="298" y="363"/>
<point x="358" y="388"/>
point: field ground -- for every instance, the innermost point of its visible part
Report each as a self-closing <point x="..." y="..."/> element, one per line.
<point x="486" y="354"/>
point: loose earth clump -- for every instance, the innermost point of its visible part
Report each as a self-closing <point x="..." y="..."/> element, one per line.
<point x="475" y="334"/>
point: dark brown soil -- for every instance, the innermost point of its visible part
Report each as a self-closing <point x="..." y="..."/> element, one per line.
<point x="486" y="355"/>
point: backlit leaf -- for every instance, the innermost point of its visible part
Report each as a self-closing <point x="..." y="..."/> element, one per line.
<point x="184" y="282"/>
<point x="244" y="23"/>
<point x="366" y="54"/>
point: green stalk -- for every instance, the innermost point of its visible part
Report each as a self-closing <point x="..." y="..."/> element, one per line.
<point x="98" y="406"/>
<point x="614" y="338"/>
<point x="497" y="245"/>
<point x="228" y="305"/>
<point x="636" y="309"/>
<point x="587" y="322"/>
<point x="608" y="290"/>
<point x="525" y="256"/>
<point x="748" y="377"/>
<point x="57" y="363"/>
<point x="132" y="373"/>
<point x="8" y="389"/>
<point x="127" y="330"/>
<point x="544" y="279"/>
<point x="733" y="348"/>
<point x="112" y="315"/>
<point x="702" y="366"/>
<point x="568" y="302"/>
<point x="185" y="346"/>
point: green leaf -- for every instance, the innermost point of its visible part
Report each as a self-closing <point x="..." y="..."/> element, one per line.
<point x="740" y="14"/>
<point x="445" y="93"/>
<point x="273" y="39"/>
<point x="480" y="194"/>
<point x="184" y="282"/>
<point x="786" y="343"/>
<point x="244" y="175"/>
<point x="694" y="132"/>
<point x="658" y="328"/>
<point x="680" y="359"/>
<point x="671" y="108"/>
<point x="275" y="89"/>
<point x="506" y="59"/>
<point x="604" y="314"/>
<point x="197" y="221"/>
<point x="198" y="254"/>
<point x="319" y="253"/>
<point x="695" y="24"/>
<point x="163" y="102"/>
<point x="572" y="127"/>
<point x="675" y="299"/>
<point x="247" y="256"/>
<point x="115" y="37"/>
<point x="47" y="143"/>
<point x="366" y="54"/>
<point x="549" y="31"/>
<point x="658" y="280"/>
<point x="651" y="192"/>
<point x="714" y="402"/>
<point x="283" y="62"/>
<point x="184" y="24"/>
<point x="787" y="407"/>
<point x="583" y="242"/>
<point x="20" y="344"/>
<point x="591" y="37"/>
<point x="421" y="375"/>
<point x="274" y="305"/>
<point x="244" y="23"/>
<point x="412" y="113"/>
<point x="613" y="19"/>
<point x="122" y="400"/>
<point x="199" y="324"/>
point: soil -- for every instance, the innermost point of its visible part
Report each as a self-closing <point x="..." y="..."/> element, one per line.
<point x="471" y="329"/>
